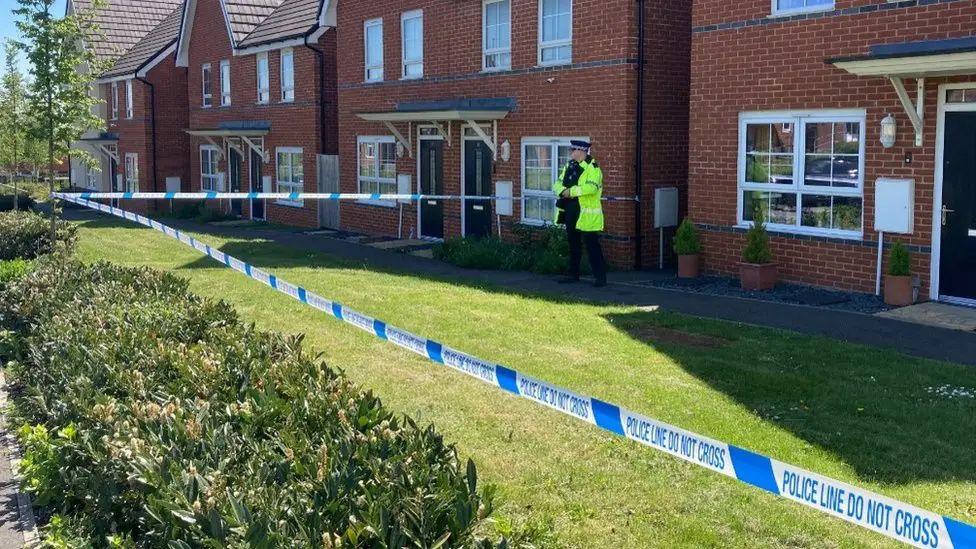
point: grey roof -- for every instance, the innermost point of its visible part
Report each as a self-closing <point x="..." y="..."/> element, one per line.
<point x="293" y="18"/>
<point x="244" y="125"/>
<point x="158" y="39"/>
<point x="123" y="23"/>
<point x="472" y="104"/>
<point x="244" y="16"/>
<point x="914" y="49"/>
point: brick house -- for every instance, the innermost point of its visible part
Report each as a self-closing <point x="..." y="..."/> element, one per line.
<point x="261" y="101"/>
<point x="479" y="97"/>
<point x="788" y="101"/>
<point x="143" y="99"/>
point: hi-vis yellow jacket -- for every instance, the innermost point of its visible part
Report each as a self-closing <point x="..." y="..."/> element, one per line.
<point x="588" y="190"/>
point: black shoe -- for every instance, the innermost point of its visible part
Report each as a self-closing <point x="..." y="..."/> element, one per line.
<point x="600" y="283"/>
<point x="568" y="280"/>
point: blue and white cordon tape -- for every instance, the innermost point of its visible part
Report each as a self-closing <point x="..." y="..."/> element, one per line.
<point x="212" y="195"/>
<point x="895" y="519"/>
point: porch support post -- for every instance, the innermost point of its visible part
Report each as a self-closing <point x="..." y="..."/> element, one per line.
<point x="254" y="147"/>
<point x="484" y="137"/>
<point x="407" y="144"/>
<point x="914" y="111"/>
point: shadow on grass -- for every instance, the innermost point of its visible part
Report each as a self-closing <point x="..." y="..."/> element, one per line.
<point x="878" y="411"/>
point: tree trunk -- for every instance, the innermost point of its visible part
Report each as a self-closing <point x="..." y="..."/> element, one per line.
<point x="54" y="201"/>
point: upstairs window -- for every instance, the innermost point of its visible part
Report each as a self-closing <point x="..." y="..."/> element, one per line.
<point x="264" y="78"/>
<point x="287" y="75"/>
<point x="497" y="32"/>
<point x="131" y="173"/>
<point x="412" y="28"/>
<point x="115" y="100"/>
<point x="224" y="83"/>
<point x="555" y="32"/>
<point x="373" y="38"/>
<point x="206" y="85"/>
<point x="128" y="99"/>
<point x="785" y="7"/>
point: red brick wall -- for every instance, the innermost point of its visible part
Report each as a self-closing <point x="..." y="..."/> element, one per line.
<point x="594" y="97"/>
<point x="294" y="124"/>
<point x="779" y="65"/>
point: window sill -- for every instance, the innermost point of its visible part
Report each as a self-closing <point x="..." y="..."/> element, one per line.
<point x="373" y="81"/>
<point x="408" y="78"/>
<point x="496" y="71"/>
<point x="536" y="223"/>
<point x="555" y="63"/>
<point x="778" y="14"/>
<point x="790" y="230"/>
<point x="290" y="203"/>
<point x="380" y="203"/>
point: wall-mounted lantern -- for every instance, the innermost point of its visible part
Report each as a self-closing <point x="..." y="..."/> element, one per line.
<point x="400" y="150"/>
<point x="506" y="151"/>
<point x="889" y="130"/>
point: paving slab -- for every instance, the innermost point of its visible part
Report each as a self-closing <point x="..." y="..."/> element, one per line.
<point x="943" y="315"/>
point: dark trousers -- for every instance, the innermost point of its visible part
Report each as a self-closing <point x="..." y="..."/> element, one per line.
<point x="593" y="249"/>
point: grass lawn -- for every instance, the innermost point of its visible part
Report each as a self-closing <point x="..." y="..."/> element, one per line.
<point x="867" y="416"/>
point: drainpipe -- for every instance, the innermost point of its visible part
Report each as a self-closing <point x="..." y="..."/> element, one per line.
<point x="152" y="126"/>
<point x="321" y="56"/>
<point x="639" y="141"/>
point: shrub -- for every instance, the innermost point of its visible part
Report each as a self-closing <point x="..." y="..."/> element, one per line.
<point x="210" y="215"/>
<point x="900" y="260"/>
<point x="757" y="244"/>
<point x="160" y="418"/>
<point x="686" y="240"/>
<point x="28" y="235"/>
<point x="13" y="269"/>
<point x="24" y="202"/>
<point x="540" y="250"/>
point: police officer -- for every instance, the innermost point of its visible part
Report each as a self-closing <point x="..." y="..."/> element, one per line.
<point x="579" y="188"/>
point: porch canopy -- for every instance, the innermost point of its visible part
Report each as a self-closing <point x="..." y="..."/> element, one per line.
<point x="106" y="144"/>
<point x="236" y="133"/>
<point x="918" y="60"/>
<point x="471" y="112"/>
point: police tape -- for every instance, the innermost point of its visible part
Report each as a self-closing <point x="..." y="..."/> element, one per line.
<point x="887" y="516"/>
<point x="295" y="197"/>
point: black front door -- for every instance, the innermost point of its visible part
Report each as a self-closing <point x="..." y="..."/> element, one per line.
<point x="432" y="182"/>
<point x="957" y="259"/>
<point x="255" y="184"/>
<point x="235" y="165"/>
<point x="477" y="182"/>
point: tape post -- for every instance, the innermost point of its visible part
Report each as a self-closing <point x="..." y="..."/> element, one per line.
<point x="897" y="520"/>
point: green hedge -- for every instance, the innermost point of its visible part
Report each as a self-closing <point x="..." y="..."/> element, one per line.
<point x="24" y="202"/>
<point x="540" y="250"/>
<point x="27" y="235"/>
<point x="157" y="418"/>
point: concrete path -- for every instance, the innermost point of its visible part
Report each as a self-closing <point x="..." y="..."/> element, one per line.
<point x="944" y="315"/>
<point x="909" y="338"/>
<point x="17" y="527"/>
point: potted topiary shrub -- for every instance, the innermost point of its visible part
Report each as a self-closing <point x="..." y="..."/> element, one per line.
<point x="757" y="270"/>
<point x="688" y="248"/>
<point x="898" y="279"/>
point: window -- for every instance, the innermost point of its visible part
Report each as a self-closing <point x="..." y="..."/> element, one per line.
<point x="264" y="78"/>
<point x="115" y="100"/>
<point x="803" y="172"/>
<point x="94" y="179"/>
<point x="799" y="6"/>
<point x="224" y="83"/>
<point x="412" y="31"/>
<point x="542" y="162"/>
<point x="287" y="75"/>
<point x="291" y="173"/>
<point x="128" y="99"/>
<point x="131" y="173"/>
<point x="373" y="33"/>
<point x="206" y="85"/>
<point x="497" y="33"/>
<point x="377" y="166"/>
<point x="210" y="177"/>
<point x="555" y="31"/>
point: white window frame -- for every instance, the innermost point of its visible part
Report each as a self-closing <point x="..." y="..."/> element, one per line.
<point x="777" y="12"/>
<point x="93" y="179"/>
<point x="409" y="16"/>
<point x="377" y="139"/>
<point x="263" y="79"/>
<point x="216" y="178"/>
<point x="128" y="100"/>
<point x="225" y="94"/>
<point x="553" y="143"/>
<point x="800" y="119"/>
<point x="366" y="65"/>
<point x="289" y="186"/>
<point x="287" y="88"/>
<point x="485" y="52"/>
<point x="115" y="100"/>
<point x="555" y="43"/>
<point x="131" y="172"/>
<point x="206" y="85"/>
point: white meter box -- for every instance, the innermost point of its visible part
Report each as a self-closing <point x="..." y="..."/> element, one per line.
<point x="503" y="190"/>
<point x="894" y="205"/>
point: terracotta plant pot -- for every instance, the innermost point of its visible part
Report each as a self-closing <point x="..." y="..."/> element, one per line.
<point x="898" y="290"/>
<point x="688" y="266"/>
<point x="757" y="277"/>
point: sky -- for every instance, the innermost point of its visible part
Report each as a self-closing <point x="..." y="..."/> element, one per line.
<point x="8" y="29"/>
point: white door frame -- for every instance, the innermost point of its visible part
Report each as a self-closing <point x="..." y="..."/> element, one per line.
<point x="464" y="190"/>
<point x="250" y="187"/>
<point x="422" y="137"/>
<point x="936" y="254"/>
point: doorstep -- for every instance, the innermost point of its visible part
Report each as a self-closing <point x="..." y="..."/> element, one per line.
<point x="943" y="315"/>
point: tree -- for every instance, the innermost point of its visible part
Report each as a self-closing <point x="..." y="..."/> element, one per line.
<point x="12" y="134"/>
<point x="58" y="98"/>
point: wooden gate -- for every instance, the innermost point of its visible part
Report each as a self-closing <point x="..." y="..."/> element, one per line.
<point x="327" y="167"/>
